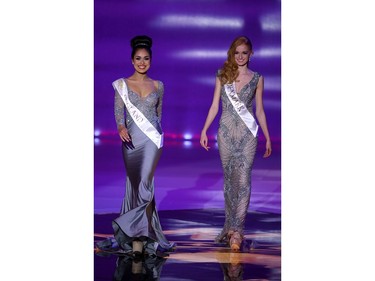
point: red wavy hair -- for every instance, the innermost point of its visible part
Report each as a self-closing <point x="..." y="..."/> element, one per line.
<point x="229" y="71"/>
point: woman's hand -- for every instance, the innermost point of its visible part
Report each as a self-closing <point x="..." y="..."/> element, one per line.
<point x="204" y="141"/>
<point x="268" y="149"/>
<point x="124" y="135"/>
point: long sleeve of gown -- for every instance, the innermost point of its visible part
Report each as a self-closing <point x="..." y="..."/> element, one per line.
<point x="119" y="109"/>
<point x="160" y="102"/>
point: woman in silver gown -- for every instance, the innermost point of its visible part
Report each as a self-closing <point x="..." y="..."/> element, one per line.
<point x="238" y="87"/>
<point x="137" y="230"/>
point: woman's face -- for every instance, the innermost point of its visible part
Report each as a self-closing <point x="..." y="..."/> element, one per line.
<point x="242" y="55"/>
<point x="141" y="61"/>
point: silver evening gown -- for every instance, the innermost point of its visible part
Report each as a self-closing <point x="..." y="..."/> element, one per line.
<point x="237" y="147"/>
<point x="138" y="216"/>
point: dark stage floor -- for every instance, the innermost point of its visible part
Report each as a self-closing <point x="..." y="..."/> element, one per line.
<point x="196" y="256"/>
<point x="189" y="197"/>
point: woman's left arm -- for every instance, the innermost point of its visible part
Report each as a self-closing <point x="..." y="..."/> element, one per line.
<point x="261" y="115"/>
<point x="160" y="101"/>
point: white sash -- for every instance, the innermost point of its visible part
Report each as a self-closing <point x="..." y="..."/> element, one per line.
<point x="230" y="90"/>
<point x="138" y="117"/>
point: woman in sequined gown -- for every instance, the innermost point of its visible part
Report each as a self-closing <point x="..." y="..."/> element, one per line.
<point x="137" y="230"/>
<point x="237" y="143"/>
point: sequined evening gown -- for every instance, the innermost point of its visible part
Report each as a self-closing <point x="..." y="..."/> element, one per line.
<point x="237" y="147"/>
<point x="138" y="216"/>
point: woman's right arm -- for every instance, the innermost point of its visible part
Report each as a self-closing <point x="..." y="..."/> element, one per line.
<point x="211" y="114"/>
<point x="120" y="117"/>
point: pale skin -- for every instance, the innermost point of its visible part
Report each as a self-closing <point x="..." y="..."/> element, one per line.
<point x="242" y="56"/>
<point x="139" y="83"/>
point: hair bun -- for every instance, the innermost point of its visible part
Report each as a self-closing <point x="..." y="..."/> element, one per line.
<point x="141" y="41"/>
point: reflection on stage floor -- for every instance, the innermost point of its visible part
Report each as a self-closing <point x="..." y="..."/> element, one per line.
<point x="197" y="257"/>
<point x="190" y="201"/>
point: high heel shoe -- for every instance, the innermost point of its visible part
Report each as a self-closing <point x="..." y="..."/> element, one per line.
<point x="235" y="241"/>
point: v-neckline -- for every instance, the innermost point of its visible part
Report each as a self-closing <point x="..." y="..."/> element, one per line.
<point x="140" y="97"/>
<point x="245" y="84"/>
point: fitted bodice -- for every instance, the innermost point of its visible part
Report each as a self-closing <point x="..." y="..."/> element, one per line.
<point x="150" y="106"/>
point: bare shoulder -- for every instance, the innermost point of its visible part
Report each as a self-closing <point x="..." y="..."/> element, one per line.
<point x="260" y="79"/>
<point x="217" y="81"/>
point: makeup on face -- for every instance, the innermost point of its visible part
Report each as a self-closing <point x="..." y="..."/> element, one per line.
<point x="242" y="54"/>
<point x="141" y="60"/>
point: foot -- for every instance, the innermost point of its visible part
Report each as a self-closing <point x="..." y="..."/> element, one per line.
<point x="235" y="241"/>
